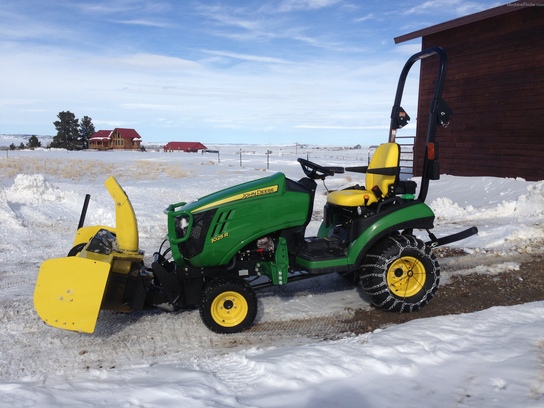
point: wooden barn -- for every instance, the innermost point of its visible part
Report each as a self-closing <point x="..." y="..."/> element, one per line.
<point x="495" y="87"/>
<point x="116" y="139"/>
<point x="192" y="147"/>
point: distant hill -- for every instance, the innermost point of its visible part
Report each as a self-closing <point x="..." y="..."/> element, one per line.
<point x="6" y="139"/>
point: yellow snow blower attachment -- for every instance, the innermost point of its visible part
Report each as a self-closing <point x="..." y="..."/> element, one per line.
<point x="104" y="266"/>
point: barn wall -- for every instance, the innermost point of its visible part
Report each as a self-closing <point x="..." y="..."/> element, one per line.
<point x="495" y="87"/>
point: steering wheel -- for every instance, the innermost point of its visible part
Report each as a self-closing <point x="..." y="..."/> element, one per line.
<point x="315" y="171"/>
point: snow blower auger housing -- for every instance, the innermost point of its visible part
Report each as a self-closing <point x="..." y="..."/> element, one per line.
<point x="223" y="247"/>
<point x="103" y="270"/>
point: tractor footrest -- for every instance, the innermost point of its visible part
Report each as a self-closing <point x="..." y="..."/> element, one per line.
<point x="322" y="249"/>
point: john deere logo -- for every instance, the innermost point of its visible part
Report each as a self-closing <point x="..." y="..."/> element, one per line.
<point x="242" y="196"/>
<point x="260" y="192"/>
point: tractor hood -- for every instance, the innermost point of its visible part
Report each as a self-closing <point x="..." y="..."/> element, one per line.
<point x="212" y="229"/>
<point x="260" y="188"/>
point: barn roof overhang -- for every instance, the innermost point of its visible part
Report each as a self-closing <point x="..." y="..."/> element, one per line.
<point x="472" y="18"/>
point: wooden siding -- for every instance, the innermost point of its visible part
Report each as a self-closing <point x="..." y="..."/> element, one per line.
<point x="495" y="87"/>
<point x="119" y="138"/>
<point x="125" y="139"/>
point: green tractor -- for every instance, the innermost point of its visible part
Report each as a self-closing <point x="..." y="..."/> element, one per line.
<point x="223" y="247"/>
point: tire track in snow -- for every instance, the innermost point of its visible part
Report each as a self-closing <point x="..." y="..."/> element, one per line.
<point x="10" y="280"/>
<point x="145" y="337"/>
<point x="237" y="371"/>
<point x="326" y="326"/>
<point x="315" y="312"/>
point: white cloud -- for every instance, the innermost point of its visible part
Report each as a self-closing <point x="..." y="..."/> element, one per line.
<point x="153" y="62"/>
<point x="150" y="107"/>
<point x="368" y="17"/>
<point x="110" y="124"/>
<point x="248" y="57"/>
<point x="339" y="127"/>
<point x="326" y="64"/>
<point x="113" y="7"/>
<point x="294" y="5"/>
<point x="459" y="7"/>
<point x="408" y="49"/>
<point x="231" y="17"/>
<point x="145" y="23"/>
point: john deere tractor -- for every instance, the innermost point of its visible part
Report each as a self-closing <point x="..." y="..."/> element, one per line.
<point x="221" y="248"/>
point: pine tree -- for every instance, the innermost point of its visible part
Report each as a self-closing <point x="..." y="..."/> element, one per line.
<point x="33" y="142"/>
<point x="86" y="130"/>
<point x="67" y="131"/>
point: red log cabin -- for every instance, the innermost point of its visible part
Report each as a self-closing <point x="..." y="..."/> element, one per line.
<point x="116" y="139"/>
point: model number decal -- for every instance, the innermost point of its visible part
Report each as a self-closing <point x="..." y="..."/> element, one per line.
<point x="219" y="237"/>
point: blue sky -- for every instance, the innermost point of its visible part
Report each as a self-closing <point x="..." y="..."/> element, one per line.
<point x="276" y="71"/>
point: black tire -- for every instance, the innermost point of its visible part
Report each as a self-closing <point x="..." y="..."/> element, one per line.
<point x="77" y="249"/>
<point x="400" y="274"/>
<point x="229" y="305"/>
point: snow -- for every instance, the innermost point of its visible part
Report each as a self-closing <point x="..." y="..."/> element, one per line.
<point x="492" y="358"/>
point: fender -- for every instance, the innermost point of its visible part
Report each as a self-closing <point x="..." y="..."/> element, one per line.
<point x="415" y="215"/>
<point x="363" y="234"/>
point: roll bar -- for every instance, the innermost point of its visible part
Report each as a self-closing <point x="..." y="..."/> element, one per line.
<point x="439" y="113"/>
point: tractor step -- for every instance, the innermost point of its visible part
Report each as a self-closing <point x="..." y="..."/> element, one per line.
<point x="322" y="249"/>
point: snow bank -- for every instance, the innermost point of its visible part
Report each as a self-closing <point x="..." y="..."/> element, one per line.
<point x="33" y="189"/>
<point x="493" y="358"/>
<point x="10" y="224"/>
<point x="509" y="213"/>
<point x="7" y="215"/>
<point x="528" y="205"/>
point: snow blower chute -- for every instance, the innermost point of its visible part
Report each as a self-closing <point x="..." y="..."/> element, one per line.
<point x="221" y="248"/>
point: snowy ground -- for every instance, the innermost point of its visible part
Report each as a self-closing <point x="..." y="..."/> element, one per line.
<point x="493" y="358"/>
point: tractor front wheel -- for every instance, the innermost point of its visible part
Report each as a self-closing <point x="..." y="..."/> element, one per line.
<point x="400" y="274"/>
<point x="229" y="305"/>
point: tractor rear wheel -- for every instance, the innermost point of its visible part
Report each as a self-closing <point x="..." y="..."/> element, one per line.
<point x="229" y="305"/>
<point x="400" y="274"/>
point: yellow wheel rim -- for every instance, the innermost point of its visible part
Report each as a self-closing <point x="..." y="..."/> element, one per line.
<point x="229" y="309"/>
<point x="406" y="276"/>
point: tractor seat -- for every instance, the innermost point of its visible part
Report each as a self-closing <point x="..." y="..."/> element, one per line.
<point x="382" y="176"/>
